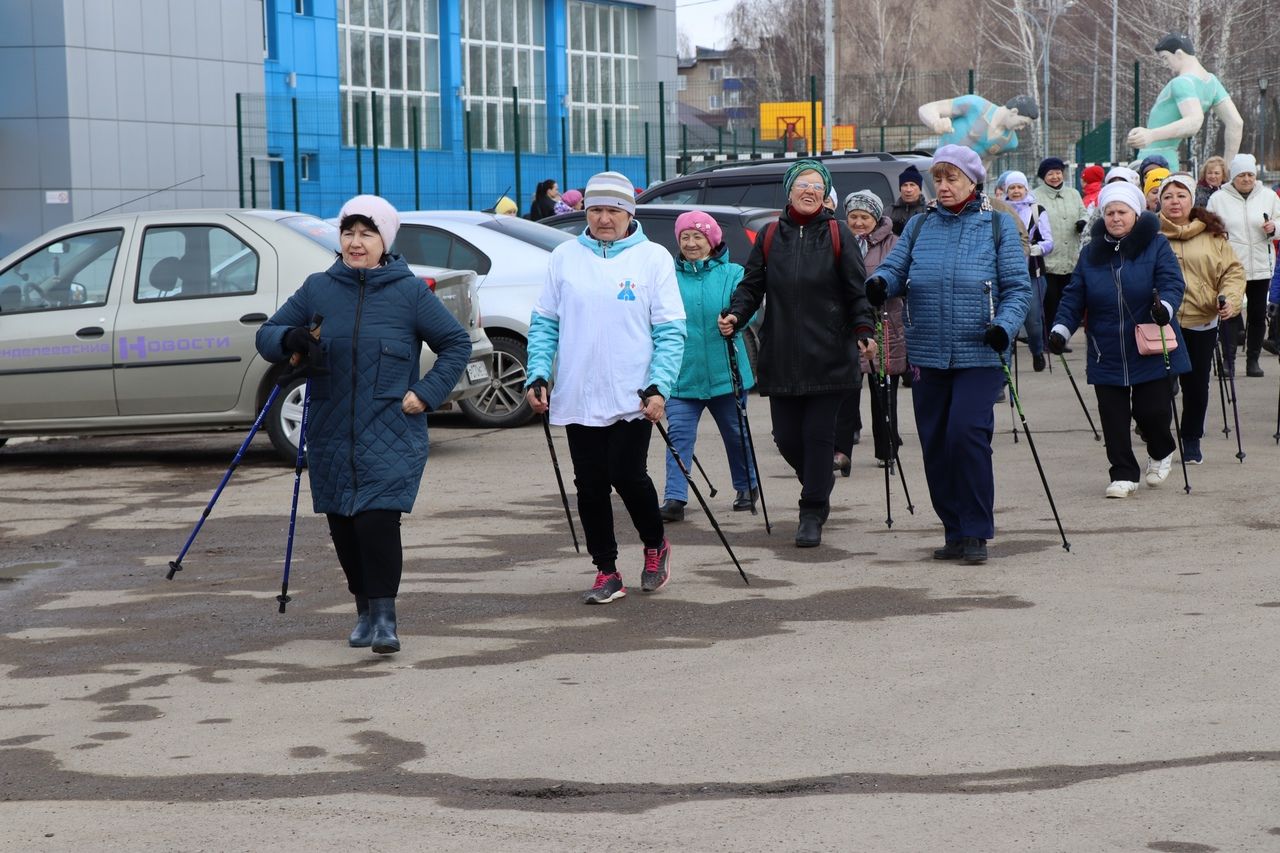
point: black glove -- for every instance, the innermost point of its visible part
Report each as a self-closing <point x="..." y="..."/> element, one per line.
<point x="1079" y="226"/>
<point x="1057" y="343"/>
<point x="877" y="293"/>
<point x="651" y="391"/>
<point x="996" y="338"/>
<point x="298" y="339"/>
<point x="1159" y="313"/>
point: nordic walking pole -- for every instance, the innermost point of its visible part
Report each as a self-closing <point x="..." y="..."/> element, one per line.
<point x="1173" y="399"/>
<point x="555" y="463"/>
<point x="1013" y="348"/>
<point x="710" y="488"/>
<point x="739" y="396"/>
<point x="893" y="438"/>
<point x="1076" y="388"/>
<point x="671" y="448"/>
<point x="175" y="565"/>
<point x="1031" y="443"/>
<point x="283" y="597"/>
<point x="1235" y="407"/>
<point x="1221" y="370"/>
<point x="882" y="380"/>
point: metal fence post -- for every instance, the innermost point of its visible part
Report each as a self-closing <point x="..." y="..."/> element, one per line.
<point x="971" y="81"/>
<point x="377" y="142"/>
<point x="882" y="137"/>
<point x="647" y="178"/>
<point x="719" y="140"/>
<point x="253" y="182"/>
<point x="359" y="117"/>
<point x="684" y="147"/>
<point x="466" y="128"/>
<point x="279" y="176"/>
<point x="753" y="142"/>
<point x="564" y="151"/>
<point x="662" y="130"/>
<point x="297" y="175"/>
<point x="240" y="148"/>
<point x="515" y="137"/>
<point x="417" y="164"/>
<point x="606" y="145"/>
<point x="813" y="112"/>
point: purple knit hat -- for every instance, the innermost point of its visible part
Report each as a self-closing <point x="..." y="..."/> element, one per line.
<point x="963" y="158"/>
<point x="696" y="220"/>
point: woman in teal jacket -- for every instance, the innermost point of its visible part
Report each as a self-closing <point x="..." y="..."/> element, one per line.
<point x="366" y="430"/>
<point x="707" y="280"/>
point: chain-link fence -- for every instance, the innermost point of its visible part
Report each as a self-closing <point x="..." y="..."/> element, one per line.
<point x="312" y="153"/>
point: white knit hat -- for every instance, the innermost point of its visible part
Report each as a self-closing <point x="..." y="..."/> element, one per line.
<point x="1243" y="163"/>
<point x="610" y="189"/>
<point x="378" y="211"/>
<point x="1125" y="193"/>
<point x="1122" y="172"/>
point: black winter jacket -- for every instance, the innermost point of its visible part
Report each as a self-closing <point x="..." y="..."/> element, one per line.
<point x="901" y="212"/>
<point x="817" y="308"/>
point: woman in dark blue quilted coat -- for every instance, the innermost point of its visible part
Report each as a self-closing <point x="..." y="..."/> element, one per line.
<point x="366" y="435"/>
<point x="961" y="269"/>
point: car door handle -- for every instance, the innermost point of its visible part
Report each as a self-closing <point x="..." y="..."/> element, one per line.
<point x="90" y="332"/>
<point x="254" y="318"/>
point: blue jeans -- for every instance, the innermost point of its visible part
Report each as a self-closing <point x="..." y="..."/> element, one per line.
<point x="682" y="426"/>
<point x="1034" y="323"/>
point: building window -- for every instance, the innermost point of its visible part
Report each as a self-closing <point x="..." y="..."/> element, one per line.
<point x="392" y="48"/>
<point x="604" y="68"/>
<point x="504" y="48"/>
<point x="307" y="167"/>
<point x="714" y="102"/>
<point x="714" y="73"/>
<point x="302" y="7"/>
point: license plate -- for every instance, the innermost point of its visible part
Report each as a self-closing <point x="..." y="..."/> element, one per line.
<point x="477" y="371"/>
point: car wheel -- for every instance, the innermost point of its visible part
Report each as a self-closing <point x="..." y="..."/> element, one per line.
<point x="285" y="419"/>
<point x="502" y="403"/>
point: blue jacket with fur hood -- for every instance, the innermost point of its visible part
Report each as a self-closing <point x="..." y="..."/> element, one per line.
<point x="1112" y="282"/>
<point x="363" y="452"/>
<point x="955" y="284"/>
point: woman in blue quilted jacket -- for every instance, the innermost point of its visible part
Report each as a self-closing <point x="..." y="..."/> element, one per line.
<point x="366" y="430"/>
<point x="707" y="279"/>
<point x="1116" y="281"/>
<point x="961" y="269"/>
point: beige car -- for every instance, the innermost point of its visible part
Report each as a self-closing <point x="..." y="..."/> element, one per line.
<point x="145" y="322"/>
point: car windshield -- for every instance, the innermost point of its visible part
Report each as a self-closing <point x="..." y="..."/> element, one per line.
<point x="542" y="236"/>
<point x="315" y="230"/>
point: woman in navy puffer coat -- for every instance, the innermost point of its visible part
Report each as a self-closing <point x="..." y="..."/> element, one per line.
<point x="1127" y="258"/>
<point x="366" y="430"/>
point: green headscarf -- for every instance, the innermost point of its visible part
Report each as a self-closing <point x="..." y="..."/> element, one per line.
<point x="805" y="166"/>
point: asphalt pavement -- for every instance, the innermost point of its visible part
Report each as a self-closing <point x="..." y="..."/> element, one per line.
<point x="858" y="696"/>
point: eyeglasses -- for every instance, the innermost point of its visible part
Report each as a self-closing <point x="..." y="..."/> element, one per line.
<point x="805" y="185"/>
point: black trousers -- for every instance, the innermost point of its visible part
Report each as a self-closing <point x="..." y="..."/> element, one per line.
<point x="1053" y="287"/>
<point x="1195" y="385"/>
<point x="1150" y="405"/>
<point x="1255" y="315"/>
<point x="615" y="457"/>
<point x="849" y="420"/>
<point x="368" y="546"/>
<point x="804" y="430"/>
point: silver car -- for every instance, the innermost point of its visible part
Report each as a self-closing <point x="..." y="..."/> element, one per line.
<point x="509" y="257"/>
<point x="145" y="322"/>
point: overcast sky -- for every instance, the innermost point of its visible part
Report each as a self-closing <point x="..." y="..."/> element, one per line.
<point x="703" y="21"/>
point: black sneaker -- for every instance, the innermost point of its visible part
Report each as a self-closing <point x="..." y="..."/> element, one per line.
<point x="1038" y="362"/>
<point x="672" y="510"/>
<point x="657" y="567"/>
<point x="975" y="550"/>
<point x="950" y="551"/>
<point x="608" y="588"/>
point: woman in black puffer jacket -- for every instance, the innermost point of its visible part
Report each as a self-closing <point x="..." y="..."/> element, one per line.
<point x="817" y="324"/>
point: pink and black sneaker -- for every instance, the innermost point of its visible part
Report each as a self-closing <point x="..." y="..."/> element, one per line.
<point x="608" y="587"/>
<point x="657" y="567"/>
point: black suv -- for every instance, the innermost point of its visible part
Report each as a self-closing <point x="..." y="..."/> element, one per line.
<point x="739" y="225"/>
<point x="758" y="183"/>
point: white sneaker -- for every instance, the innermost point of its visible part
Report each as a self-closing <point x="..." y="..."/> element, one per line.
<point x="1158" y="471"/>
<point x="1121" y="488"/>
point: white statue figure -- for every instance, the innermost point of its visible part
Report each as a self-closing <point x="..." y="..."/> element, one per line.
<point x="1178" y="112"/>
<point x="974" y="122"/>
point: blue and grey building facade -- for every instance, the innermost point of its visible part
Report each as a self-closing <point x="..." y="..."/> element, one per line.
<point x="111" y="103"/>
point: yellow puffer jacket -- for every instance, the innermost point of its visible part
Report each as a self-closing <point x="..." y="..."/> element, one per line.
<point x="1210" y="268"/>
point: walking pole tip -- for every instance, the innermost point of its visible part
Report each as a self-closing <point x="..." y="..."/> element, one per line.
<point x="174" y="568"/>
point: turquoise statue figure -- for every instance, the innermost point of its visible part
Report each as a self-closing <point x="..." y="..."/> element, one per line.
<point x="1179" y="110"/>
<point x="974" y="122"/>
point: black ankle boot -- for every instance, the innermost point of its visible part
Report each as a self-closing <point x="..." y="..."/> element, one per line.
<point x="809" y="531"/>
<point x="362" y="635"/>
<point x="672" y="511"/>
<point x="745" y="500"/>
<point x="382" y="616"/>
